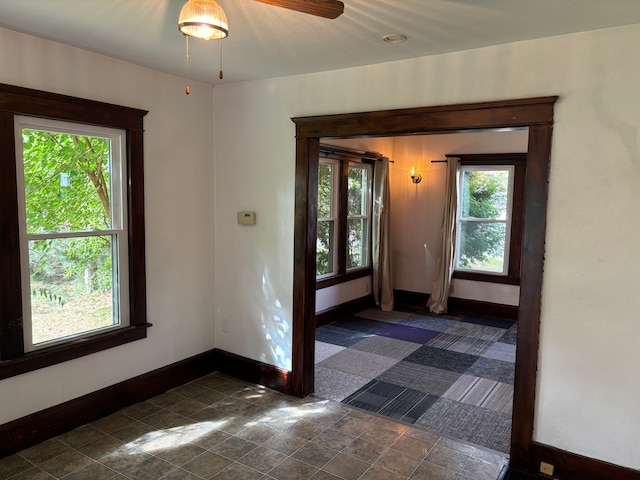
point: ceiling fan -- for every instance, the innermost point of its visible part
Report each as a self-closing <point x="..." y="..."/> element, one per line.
<point x="321" y="8"/>
<point x="205" y="18"/>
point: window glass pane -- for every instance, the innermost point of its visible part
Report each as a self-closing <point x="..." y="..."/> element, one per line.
<point x="67" y="182"/>
<point x="484" y="194"/>
<point x="357" y="247"/>
<point x="324" y="248"/>
<point x="71" y="282"/>
<point x="325" y="183"/>
<point x="481" y="246"/>
<point x="357" y="198"/>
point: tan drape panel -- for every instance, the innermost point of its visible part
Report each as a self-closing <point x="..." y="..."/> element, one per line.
<point x="444" y="268"/>
<point x="380" y="237"/>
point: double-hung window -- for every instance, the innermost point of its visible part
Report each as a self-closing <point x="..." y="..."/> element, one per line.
<point x="489" y="217"/>
<point x="73" y="239"/>
<point x="72" y="261"/>
<point x="328" y="202"/>
<point x="344" y="216"/>
<point x="358" y="215"/>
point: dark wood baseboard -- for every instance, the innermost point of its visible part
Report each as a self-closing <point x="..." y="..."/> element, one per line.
<point x="254" y="371"/>
<point x="571" y="466"/>
<point x="37" y="427"/>
<point x="40" y="426"/>
<point x="458" y="305"/>
<point x="410" y="299"/>
<point x="339" y="311"/>
<point x="485" y="309"/>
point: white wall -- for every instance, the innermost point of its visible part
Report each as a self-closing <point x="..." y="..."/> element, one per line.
<point x="178" y="218"/>
<point x="588" y="389"/>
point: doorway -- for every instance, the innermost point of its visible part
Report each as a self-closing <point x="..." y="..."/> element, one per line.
<point x="536" y="114"/>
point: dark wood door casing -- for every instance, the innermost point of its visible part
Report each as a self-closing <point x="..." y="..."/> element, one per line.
<point x="536" y="114"/>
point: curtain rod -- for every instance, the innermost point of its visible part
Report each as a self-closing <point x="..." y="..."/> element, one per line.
<point x="439" y="161"/>
<point x="334" y="150"/>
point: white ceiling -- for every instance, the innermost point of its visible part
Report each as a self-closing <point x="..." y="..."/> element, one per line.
<point x="266" y="41"/>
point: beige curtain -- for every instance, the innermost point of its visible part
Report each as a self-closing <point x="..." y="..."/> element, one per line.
<point x="444" y="268"/>
<point x="380" y="238"/>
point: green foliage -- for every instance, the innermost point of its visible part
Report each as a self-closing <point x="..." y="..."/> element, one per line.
<point x="358" y="182"/>
<point x="67" y="189"/>
<point x="49" y="295"/>
<point x="357" y="228"/>
<point x="484" y="196"/>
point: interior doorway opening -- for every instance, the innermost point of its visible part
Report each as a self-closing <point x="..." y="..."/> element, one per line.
<point x="536" y="114"/>
<point x="409" y="364"/>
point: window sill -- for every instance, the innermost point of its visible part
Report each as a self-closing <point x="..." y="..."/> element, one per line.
<point x="343" y="278"/>
<point x="74" y="349"/>
<point x="486" y="277"/>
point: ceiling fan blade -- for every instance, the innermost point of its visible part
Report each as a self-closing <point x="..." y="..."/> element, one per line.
<point x="320" y="8"/>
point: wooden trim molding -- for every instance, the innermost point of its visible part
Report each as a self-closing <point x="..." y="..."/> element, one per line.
<point x="24" y="101"/>
<point x="332" y="314"/>
<point x="253" y="371"/>
<point x="536" y="114"/>
<point x="571" y="466"/>
<point x="37" y="427"/>
<point x="476" y="307"/>
<point x="72" y="349"/>
<point x="458" y="305"/>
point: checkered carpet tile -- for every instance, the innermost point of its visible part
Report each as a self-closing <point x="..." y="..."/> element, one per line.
<point x="453" y="375"/>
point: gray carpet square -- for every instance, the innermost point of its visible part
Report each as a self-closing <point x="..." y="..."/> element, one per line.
<point x="471" y="390"/>
<point x="388" y="347"/>
<point x="374" y="395"/>
<point x="472" y="346"/>
<point x="377" y="314"/>
<point x="467" y="422"/>
<point x="488" y="321"/>
<point x="459" y="384"/>
<point x="442" y="359"/>
<point x="360" y="324"/>
<point x="339" y="336"/>
<point x="433" y="381"/>
<point x="325" y="350"/>
<point x="501" y="351"/>
<point x="437" y="324"/>
<point x="336" y="385"/>
<point x="356" y="362"/>
<point x="494" y="369"/>
<point x="500" y="399"/>
<point x="476" y="331"/>
<point x="408" y="406"/>
<point x="510" y="336"/>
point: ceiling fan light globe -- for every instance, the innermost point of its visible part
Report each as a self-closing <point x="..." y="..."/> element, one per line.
<point x="203" y="19"/>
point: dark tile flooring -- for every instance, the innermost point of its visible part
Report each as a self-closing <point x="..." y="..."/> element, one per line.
<point x="452" y="375"/>
<point x="220" y="428"/>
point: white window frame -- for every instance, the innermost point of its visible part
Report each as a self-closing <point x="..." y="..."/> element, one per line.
<point x="367" y="203"/>
<point x="118" y="232"/>
<point x="334" y="214"/>
<point x="506" y="220"/>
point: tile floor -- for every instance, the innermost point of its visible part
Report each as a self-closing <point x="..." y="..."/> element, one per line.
<point x="221" y="428"/>
<point x="450" y="374"/>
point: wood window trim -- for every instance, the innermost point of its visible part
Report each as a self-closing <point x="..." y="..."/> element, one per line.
<point x="23" y="101"/>
<point x="344" y="157"/>
<point x="518" y="160"/>
<point x="343" y="278"/>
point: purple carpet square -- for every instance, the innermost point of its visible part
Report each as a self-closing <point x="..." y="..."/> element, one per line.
<point x="408" y="334"/>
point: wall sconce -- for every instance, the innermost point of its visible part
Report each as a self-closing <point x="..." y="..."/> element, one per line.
<point x="415" y="176"/>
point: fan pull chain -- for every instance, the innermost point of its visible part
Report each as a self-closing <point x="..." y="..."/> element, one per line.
<point x="187" y="89"/>
<point x="220" y="75"/>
